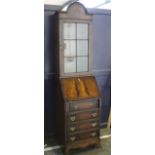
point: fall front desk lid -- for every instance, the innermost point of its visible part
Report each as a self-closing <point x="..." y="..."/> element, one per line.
<point x="76" y="88"/>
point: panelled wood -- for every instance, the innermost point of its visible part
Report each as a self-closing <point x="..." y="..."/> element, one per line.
<point x="84" y="115"/>
<point x="81" y="136"/>
<point x="84" y="106"/>
<point x="91" y="124"/>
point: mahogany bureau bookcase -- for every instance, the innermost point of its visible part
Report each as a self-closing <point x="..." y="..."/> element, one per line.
<point x="78" y="99"/>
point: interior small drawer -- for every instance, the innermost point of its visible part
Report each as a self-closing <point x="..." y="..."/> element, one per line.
<point x="83" y="116"/>
<point x="83" y="136"/>
<point x="82" y="106"/>
<point x="75" y="127"/>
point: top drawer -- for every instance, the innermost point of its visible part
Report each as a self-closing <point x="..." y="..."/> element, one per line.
<point x="83" y="106"/>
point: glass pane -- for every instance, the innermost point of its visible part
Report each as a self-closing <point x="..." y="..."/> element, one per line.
<point x="69" y="47"/>
<point x="69" y="64"/>
<point x="82" y="64"/>
<point x="69" y="30"/>
<point x="82" y="47"/>
<point x="82" y="31"/>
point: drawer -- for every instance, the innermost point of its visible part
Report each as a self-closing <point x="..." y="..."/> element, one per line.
<point x="83" y="116"/>
<point x="75" y="127"/>
<point x="83" y="136"/>
<point x="82" y="106"/>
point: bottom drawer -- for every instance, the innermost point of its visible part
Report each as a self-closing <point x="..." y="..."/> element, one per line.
<point x="82" y="136"/>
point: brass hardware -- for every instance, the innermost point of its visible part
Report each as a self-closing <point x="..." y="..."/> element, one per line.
<point x="72" y="138"/>
<point x="72" y="128"/>
<point x="72" y="118"/>
<point x="93" y="134"/>
<point x="76" y="107"/>
<point x="93" y="124"/>
<point x="94" y="114"/>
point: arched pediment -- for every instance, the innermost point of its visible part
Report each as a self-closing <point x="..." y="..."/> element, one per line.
<point x="76" y="11"/>
<point x="78" y="7"/>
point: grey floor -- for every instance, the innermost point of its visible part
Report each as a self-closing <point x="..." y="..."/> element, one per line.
<point x="105" y="148"/>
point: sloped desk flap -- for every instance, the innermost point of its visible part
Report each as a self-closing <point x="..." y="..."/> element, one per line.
<point x="77" y="88"/>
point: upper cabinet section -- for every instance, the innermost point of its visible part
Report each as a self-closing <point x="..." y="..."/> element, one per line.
<point x="75" y="41"/>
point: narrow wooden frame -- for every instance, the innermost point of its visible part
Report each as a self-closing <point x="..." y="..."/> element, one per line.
<point x="80" y="16"/>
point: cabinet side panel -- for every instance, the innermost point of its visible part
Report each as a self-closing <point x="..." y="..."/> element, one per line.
<point x="60" y="115"/>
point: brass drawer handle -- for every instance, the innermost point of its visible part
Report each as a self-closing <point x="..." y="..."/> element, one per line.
<point x="76" y="107"/>
<point x="94" y="114"/>
<point x="94" y="124"/>
<point x="93" y="134"/>
<point x="72" y="118"/>
<point x="72" y="128"/>
<point x="72" y="139"/>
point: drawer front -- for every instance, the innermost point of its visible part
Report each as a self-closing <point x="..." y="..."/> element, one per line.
<point x="82" y="106"/>
<point x="83" y="126"/>
<point x="82" y="136"/>
<point x="83" y="116"/>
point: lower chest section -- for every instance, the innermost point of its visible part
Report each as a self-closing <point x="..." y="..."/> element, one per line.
<point x="82" y="120"/>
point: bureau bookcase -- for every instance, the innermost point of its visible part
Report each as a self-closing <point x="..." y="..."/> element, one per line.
<point x="78" y="99"/>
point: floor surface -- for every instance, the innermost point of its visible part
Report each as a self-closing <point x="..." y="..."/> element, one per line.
<point x="104" y="149"/>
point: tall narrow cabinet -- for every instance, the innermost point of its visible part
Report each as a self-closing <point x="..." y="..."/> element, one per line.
<point x="78" y="99"/>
